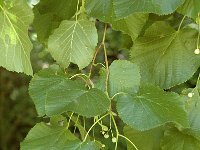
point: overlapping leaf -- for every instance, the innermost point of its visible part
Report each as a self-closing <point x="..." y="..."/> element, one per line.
<point x="151" y="107"/>
<point x="124" y="8"/>
<point x="193" y="108"/>
<point x="190" y="8"/>
<point x="40" y="84"/>
<point x="54" y="94"/>
<point x="44" y="136"/>
<point x="73" y="41"/>
<point x="124" y="76"/>
<point x="15" y="46"/>
<point x="151" y="138"/>
<point x="177" y="140"/>
<point x="104" y="11"/>
<point x="132" y="25"/>
<point x="49" y="14"/>
<point x="194" y="111"/>
<point x="165" y="56"/>
<point x="69" y="97"/>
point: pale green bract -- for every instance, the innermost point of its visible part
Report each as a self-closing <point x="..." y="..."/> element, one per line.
<point x="73" y="41"/>
<point x="124" y="76"/>
<point x="151" y="107"/>
<point x="54" y="94"/>
<point x="166" y="57"/>
<point x="43" y="136"/>
<point x="15" y="46"/>
<point x="124" y="8"/>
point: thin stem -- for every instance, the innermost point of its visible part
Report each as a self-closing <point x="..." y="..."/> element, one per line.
<point x="117" y="94"/>
<point x="106" y="58"/>
<point x="117" y="131"/>
<point x="128" y="140"/>
<point x="77" y="10"/>
<point x="198" y="40"/>
<point x="110" y="122"/>
<point x="83" y="3"/>
<point x="84" y="123"/>
<point x="80" y="75"/>
<point x="76" y="123"/>
<point x="181" y="23"/>
<point x="94" y="125"/>
<point x="93" y="130"/>
<point x="100" y="64"/>
<point x="97" y="50"/>
<point x="93" y="60"/>
<point x="82" y="9"/>
<point x="69" y="120"/>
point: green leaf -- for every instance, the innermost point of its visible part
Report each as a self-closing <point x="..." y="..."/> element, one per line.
<point x="166" y="57"/>
<point x="54" y="94"/>
<point x="193" y="108"/>
<point x="124" y="76"/>
<point x="41" y="83"/>
<point x="103" y="9"/>
<point x="190" y="8"/>
<point x="151" y="138"/>
<point x="73" y="41"/>
<point x="49" y="14"/>
<point x="86" y="103"/>
<point x="124" y="8"/>
<point x="44" y="136"/>
<point x="151" y="107"/>
<point x="132" y="25"/>
<point x="177" y="140"/>
<point x="15" y="46"/>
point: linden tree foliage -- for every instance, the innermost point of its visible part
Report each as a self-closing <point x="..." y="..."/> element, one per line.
<point x="89" y="100"/>
<point x="190" y="8"/>
<point x="76" y="44"/>
<point x="168" y="53"/>
<point x="49" y="14"/>
<point x="15" y="45"/>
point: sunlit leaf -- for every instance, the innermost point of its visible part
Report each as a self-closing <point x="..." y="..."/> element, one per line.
<point x="15" y="46"/>
<point x="73" y="41"/>
<point x="166" y="57"/>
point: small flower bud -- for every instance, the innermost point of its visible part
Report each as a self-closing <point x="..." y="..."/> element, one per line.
<point x="104" y="128"/>
<point x="114" y="140"/>
<point x="106" y="136"/>
<point x="103" y="145"/>
<point x="197" y="51"/>
<point x="190" y="95"/>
